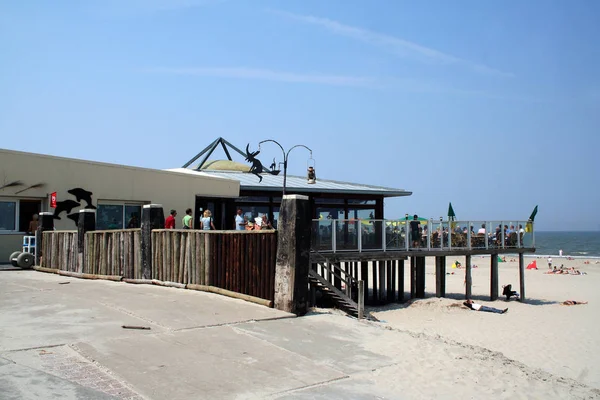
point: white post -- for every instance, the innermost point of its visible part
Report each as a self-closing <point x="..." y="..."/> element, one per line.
<point x="469" y="235"/>
<point x="383" y="234"/>
<point x="359" y="229"/>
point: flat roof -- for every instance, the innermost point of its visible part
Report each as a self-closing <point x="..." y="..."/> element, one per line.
<point x="298" y="184"/>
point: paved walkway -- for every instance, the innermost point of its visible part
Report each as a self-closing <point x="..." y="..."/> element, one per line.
<point x="63" y="337"/>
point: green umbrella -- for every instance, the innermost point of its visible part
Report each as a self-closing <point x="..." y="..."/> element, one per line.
<point x="532" y="216"/>
<point x="451" y="214"/>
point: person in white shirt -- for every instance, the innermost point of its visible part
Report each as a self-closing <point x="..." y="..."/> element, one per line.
<point x="550" y="262"/>
<point x="479" y="307"/>
<point x="240" y="222"/>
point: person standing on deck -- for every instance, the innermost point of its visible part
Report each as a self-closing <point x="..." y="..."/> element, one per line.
<point x="240" y="222"/>
<point x="187" y="220"/>
<point x="414" y="231"/>
<point x="170" y="221"/>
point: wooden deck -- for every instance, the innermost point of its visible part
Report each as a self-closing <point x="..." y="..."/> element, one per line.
<point x="383" y="271"/>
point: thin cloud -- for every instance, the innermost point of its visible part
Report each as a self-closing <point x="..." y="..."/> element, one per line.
<point x="392" y="44"/>
<point x="270" y="75"/>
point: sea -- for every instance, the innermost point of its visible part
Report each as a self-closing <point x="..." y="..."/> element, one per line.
<point x="572" y="244"/>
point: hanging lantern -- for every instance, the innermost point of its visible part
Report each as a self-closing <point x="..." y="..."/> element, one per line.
<point x="311" y="175"/>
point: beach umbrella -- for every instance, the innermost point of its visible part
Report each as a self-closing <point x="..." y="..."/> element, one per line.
<point x="451" y="214"/>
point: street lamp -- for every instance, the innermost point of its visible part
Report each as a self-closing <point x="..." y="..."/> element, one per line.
<point x="285" y="157"/>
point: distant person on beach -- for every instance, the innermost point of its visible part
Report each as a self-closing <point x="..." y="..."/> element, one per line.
<point x="549" y="262"/>
<point x="479" y="307"/>
<point x="508" y="292"/>
<point x="560" y="253"/>
<point x="170" y="221"/>
<point x="572" y="303"/>
<point x="414" y="231"/>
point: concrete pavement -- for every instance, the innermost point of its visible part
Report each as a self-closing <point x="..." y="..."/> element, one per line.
<point x="65" y="339"/>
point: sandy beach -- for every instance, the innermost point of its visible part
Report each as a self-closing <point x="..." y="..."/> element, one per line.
<point x="542" y="334"/>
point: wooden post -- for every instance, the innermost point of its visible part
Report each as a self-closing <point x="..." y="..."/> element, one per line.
<point x="293" y="254"/>
<point x="152" y="218"/>
<point x="400" y="281"/>
<point x="494" y="277"/>
<point x="45" y="223"/>
<point x="382" y="291"/>
<point x="364" y="276"/>
<point x="361" y="299"/>
<point x="468" y="279"/>
<point x="522" y="276"/>
<point x="86" y="223"/>
<point x="389" y="273"/>
<point x="420" y="277"/>
<point x="440" y="276"/>
<point x="413" y="274"/>
<point x="375" y="281"/>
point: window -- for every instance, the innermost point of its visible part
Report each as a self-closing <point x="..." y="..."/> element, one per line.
<point x="8" y="215"/>
<point x="15" y="215"/>
<point x="118" y="216"/>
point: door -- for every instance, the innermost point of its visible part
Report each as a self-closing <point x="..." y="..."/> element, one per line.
<point x="220" y="210"/>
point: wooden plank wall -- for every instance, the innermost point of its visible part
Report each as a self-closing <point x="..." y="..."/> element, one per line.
<point x="60" y="250"/>
<point x="242" y="262"/>
<point x="114" y="252"/>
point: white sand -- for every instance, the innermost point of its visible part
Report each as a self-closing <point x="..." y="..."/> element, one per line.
<point x="546" y="337"/>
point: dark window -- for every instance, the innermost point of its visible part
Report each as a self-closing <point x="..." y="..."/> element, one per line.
<point x="8" y="215"/>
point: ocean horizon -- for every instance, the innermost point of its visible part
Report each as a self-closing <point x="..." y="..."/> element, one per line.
<point x="580" y="244"/>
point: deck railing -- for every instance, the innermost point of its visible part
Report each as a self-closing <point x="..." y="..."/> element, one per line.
<point x="367" y="235"/>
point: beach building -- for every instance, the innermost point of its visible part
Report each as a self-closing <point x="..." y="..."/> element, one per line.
<point x="32" y="183"/>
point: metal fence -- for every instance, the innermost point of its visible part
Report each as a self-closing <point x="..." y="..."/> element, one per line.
<point x="364" y="235"/>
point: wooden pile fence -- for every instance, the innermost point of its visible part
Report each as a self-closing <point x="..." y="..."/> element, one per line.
<point x="241" y="262"/>
<point x="114" y="252"/>
<point x="59" y="250"/>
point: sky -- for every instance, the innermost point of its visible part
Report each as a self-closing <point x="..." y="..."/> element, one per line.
<point x="493" y="106"/>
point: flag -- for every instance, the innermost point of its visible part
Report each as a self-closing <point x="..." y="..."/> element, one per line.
<point x="533" y="214"/>
<point x="53" y="200"/>
<point x="451" y="214"/>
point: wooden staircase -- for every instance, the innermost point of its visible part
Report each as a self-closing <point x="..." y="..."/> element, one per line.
<point x="341" y="300"/>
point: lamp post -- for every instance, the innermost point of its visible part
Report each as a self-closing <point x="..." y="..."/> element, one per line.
<point x="285" y="157"/>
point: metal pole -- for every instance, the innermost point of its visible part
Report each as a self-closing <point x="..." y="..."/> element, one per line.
<point x="532" y="235"/>
<point x="361" y="299"/>
<point x="359" y="236"/>
<point x="429" y="233"/>
<point x="502" y="232"/>
<point x="333" y="235"/>
<point x="518" y="235"/>
<point x="469" y="235"/>
<point x="384" y="234"/>
<point x="487" y="234"/>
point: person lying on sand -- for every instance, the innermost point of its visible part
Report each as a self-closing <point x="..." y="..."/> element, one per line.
<point x="479" y="307"/>
<point x="572" y="303"/>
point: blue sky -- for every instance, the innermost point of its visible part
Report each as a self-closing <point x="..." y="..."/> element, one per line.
<point x="493" y="106"/>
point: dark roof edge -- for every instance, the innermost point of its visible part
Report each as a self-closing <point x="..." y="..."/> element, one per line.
<point x="384" y="193"/>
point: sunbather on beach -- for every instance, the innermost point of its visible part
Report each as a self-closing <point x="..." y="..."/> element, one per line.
<point x="479" y="307"/>
<point x="573" y="303"/>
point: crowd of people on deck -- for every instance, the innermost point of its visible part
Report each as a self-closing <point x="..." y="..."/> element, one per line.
<point x="241" y="222"/>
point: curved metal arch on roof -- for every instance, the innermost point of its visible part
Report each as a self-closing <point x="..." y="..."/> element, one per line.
<point x="208" y="150"/>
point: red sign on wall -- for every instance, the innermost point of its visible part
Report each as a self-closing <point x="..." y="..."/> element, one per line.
<point x="53" y="200"/>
